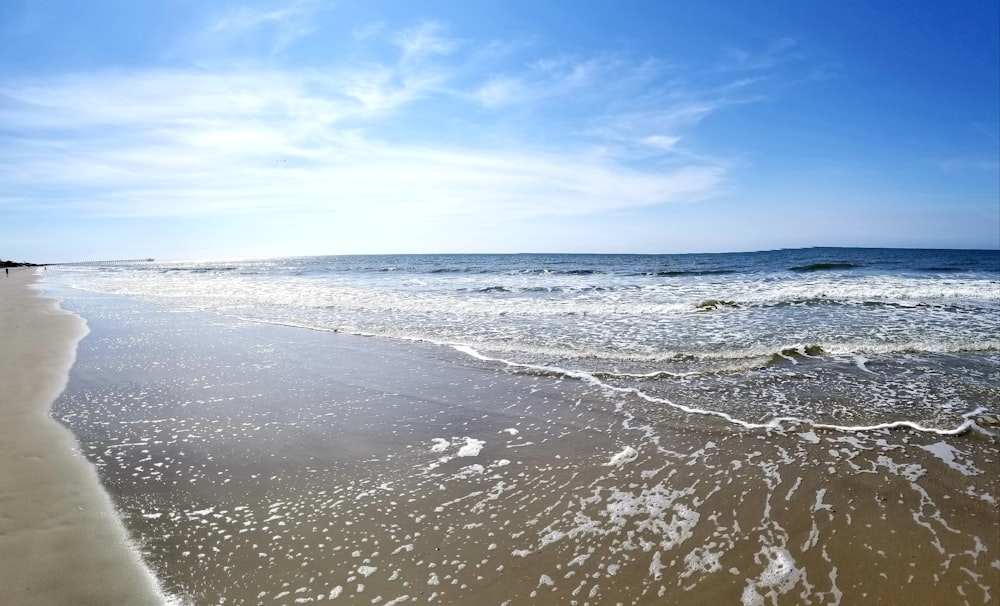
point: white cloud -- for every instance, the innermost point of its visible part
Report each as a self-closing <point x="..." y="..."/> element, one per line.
<point x="663" y="142"/>
<point x="777" y="52"/>
<point x="556" y="77"/>
<point x="500" y="90"/>
<point x="281" y="27"/>
<point x="283" y="147"/>
<point x="424" y="40"/>
<point x="658" y="127"/>
<point x="268" y="142"/>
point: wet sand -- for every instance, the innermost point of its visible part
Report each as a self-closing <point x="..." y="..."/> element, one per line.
<point x="60" y="540"/>
<point x="263" y="464"/>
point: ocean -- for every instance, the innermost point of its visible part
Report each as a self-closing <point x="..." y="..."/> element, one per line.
<point x="848" y="338"/>
<point x="810" y="426"/>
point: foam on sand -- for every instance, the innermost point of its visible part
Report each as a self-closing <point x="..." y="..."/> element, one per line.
<point x="627" y="455"/>
<point x="60" y="540"/>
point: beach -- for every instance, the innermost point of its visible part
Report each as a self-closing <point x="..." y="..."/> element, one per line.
<point x="259" y="463"/>
<point x="504" y="303"/>
<point x="61" y="541"/>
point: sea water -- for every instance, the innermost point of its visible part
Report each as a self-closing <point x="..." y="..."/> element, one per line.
<point x="791" y="427"/>
<point x="831" y="337"/>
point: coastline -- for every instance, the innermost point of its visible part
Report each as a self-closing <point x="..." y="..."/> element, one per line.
<point x="61" y="541"/>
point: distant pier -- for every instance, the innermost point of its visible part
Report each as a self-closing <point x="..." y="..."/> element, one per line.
<point x="106" y="263"/>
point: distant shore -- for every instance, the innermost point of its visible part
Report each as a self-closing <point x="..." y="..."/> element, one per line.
<point x="60" y="540"/>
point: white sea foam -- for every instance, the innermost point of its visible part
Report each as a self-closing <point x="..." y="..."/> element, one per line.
<point x="951" y="457"/>
<point x="703" y="560"/>
<point x="366" y="571"/>
<point x="656" y="567"/>
<point x="776" y="423"/>
<point x="627" y="455"/>
<point x="860" y="362"/>
<point x="810" y="436"/>
<point x="642" y="312"/>
<point x="471" y="448"/>
<point x="779" y="576"/>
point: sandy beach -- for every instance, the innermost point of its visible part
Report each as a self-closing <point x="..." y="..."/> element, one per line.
<point x="263" y="464"/>
<point x="505" y="303"/>
<point x="60" y="540"/>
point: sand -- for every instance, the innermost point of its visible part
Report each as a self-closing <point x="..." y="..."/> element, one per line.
<point x="60" y="540"/>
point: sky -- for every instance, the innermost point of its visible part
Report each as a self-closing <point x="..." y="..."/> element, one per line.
<point x="183" y="129"/>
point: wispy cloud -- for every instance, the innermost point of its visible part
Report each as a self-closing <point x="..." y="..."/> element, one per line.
<point x="777" y="52"/>
<point x="553" y="77"/>
<point x="280" y="26"/>
<point x="639" y="106"/>
<point x="662" y="142"/>
<point x="501" y="90"/>
<point x="256" y="142"/>
<point x="196" y="142"/>
<point x="424" y="40"/>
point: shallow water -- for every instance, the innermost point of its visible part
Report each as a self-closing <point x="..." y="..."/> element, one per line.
<point x="258" y="463"/>
<point x="841" y="337"/>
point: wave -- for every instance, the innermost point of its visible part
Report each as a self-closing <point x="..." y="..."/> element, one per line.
<point x="734" y="361"/>
<point x="979" y="419"/>
<point x="666" y="273"/>
<point x="714" y="304"/>
<point x="196" y="270"/>
<point x="792" y="354"/>
<point x="677" y="273"/>
<point x="944" y="270"/>
<point x="545" y="289"/>
<point x="824" y="300"/>
<point x="722" y="304"/>
<point x="206" y="270"/>
<point x="491" y="289"/>
<point x="824" y="267"/>
<point x="542" y="271"/>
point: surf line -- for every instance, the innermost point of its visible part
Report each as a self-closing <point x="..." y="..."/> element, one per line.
<point x="777" y="423"/>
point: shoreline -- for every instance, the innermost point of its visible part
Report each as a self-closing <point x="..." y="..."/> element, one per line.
<point x="61" y="541"/>
<point x="260" y="462"/>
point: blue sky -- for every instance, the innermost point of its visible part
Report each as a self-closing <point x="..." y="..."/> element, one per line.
<point x="187" y="129"/>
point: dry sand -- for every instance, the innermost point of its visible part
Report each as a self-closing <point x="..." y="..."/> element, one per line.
<point x="60" y="540"/>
